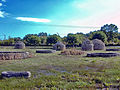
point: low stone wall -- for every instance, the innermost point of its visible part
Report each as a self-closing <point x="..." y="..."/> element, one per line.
<point x="9" y="74"/>
<point x="14" y="55"/>
<point x="103" y="54"/>
<point x="112" y="49"/>
<point x="45" y="51"/>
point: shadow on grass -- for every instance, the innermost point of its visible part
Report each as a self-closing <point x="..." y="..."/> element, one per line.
<point x="40" y="48"/>
<point x="1" y="77"/>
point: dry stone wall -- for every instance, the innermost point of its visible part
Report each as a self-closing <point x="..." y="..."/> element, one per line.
<point x="15" y="55"/>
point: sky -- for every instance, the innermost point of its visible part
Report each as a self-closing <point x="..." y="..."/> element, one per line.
<point x="21" y="17"/>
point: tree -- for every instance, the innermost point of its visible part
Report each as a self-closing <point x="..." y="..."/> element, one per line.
<point x="52" y="39"/>
<point x="98" y="35"/>
<point x="64" y="40"/>
<point x="72" y="39"/>
<point x="11" y="41"/>
<point x="8" y="42"/>
<point x="42" y="34"/>
<point x="81" y="37"/>
<point x="43" y="40"/>
<point x="31" y="39"/>
<point x="17" y="39"/>
<point x="111" y="31"/>
<point x="43" y="37"/>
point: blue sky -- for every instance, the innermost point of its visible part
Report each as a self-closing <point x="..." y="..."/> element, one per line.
<point x="21" y="17"/>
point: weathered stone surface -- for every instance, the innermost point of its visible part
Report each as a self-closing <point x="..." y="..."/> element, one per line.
<point x="103" y="54"/>
<point x="45" y="51"/>
<point x="14" y="55"/>
<point x="87" y="45"/>
<point x="19" y="45"/>
<point x="59" y="46"/>
<point x="9" y="74"/>
<point x="98" y="44"/>
<point x="112" y="49"/>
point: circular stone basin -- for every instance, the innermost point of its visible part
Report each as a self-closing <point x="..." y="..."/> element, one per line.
<point x="11" y="55"/>
<point x="103" y="54"/>
<point x="112" y="49"/>
<point x="45" y="51"/>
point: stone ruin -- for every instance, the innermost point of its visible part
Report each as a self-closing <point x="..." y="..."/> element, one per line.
<point x="14" y="55"/>
<point x="9" y="74"/>
<point x="45" y="51"/>
<point x="59" y="46"/>
<point x="98" y="44"/>
<point x="95" y="44"/>
<point x="87" y="45"/>
<point x="103" y="54"/>
<point x="19" y="45"/>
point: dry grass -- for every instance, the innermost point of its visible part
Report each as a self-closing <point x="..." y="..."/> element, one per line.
<point x="72" y="52"/>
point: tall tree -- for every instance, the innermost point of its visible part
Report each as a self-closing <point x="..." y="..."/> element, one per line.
<point x="98" y="35"/>
<point x="72" y="39"/>
<point x="52" y="39"/>
<point x="42" y="34"/>
<point x="43" y="37"/>
<point x="111" y="31"/>
<point x="31" y="39"/>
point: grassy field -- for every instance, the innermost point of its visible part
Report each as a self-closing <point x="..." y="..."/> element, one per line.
<point x="54" y="71"/>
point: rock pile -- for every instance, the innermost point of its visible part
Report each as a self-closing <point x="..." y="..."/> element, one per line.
<point x="87" y="45"/>
<point x="98" y="44"/>
<point x="95" y="44"/>
<point x="15" y="55"/>
<point x="19" y="45"/>
<point x="59" y="46"/>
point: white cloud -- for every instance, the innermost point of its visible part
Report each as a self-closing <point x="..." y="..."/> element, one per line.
<point x="99" y="12"/>
<point x="33" y="19"/>
<point x="1" y="4"/>
<point x="3" y="0"/>
<point x="2" y="14"/>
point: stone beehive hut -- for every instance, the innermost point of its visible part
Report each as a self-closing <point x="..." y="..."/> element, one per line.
<point x="98" y="44"/>
<point x="87" y="45"/>
<point x="19" y="45"/>
<point x="59" y="46"/>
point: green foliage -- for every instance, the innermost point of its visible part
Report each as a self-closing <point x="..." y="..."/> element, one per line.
<point x="43" y="40"/>
<point x="52" y="39"/>
<point x="81" y="37"/>
<point x="31" y="39"/>
<point x="64" y="40"/>
<point x="74" y="39"/>
<point x="8" y="42"/>
<point x="43" y="37"/>
<point x="17" y="39"/>
<point x="111" y="31"/>
<point x="42" y="34"/>
<point x="98" y="35"/>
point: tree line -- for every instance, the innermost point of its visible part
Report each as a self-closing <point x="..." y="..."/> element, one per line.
<point x="108" y="34"/>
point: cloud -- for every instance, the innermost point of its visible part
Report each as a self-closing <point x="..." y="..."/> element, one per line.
<point x="1" y="4"/>
<point x="2" y="14"/>
<point x="99" y="13"/>
<point x="3" y="0"/>
<point x="33" y="19"/>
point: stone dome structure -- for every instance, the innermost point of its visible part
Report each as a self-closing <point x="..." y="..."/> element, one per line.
<point x="87" y="45"/>
<point x="98" y="44"/>
<point x="19" y="45"/>
<point x="59" y="46"/>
